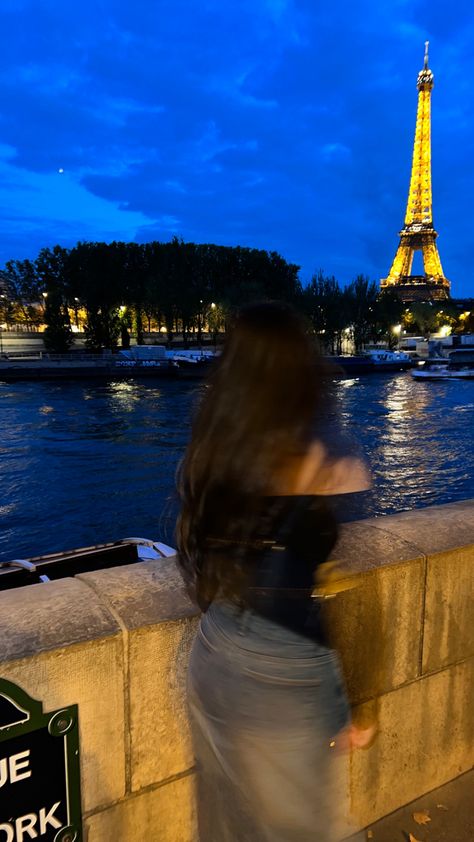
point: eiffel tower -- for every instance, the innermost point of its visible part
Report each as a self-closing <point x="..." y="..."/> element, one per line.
<point x="418" y="233"/>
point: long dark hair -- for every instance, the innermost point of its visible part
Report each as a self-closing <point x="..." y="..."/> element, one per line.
<point x="255" y="417"/>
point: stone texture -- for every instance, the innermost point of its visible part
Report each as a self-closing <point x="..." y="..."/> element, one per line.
<point x="449" y="619"/>
<point x="160" y="741"/>
<point x="376" y="627"/>
<point x="426" y="738"/>
<point x="143" y="594"/>
<point x="91" y="676"/>
<point x="49" y="616"/>
<point x="116" y="642"/>
<point x="366" y="544"/>
<point x="436" y="529"/>
<point x="164" y="814"/>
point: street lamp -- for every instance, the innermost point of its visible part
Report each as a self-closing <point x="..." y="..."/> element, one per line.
<point x="200" y="322"/>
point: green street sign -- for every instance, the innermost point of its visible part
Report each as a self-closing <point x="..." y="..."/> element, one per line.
<point x="40" y="796"/>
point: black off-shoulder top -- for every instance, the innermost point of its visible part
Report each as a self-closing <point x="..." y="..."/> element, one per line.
<point x="296" y="535"/>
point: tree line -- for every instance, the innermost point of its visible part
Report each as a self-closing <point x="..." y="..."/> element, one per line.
<point x="184" y="289"/>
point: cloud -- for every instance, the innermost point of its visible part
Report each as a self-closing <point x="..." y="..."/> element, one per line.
<point x="50" y="208"/>
<point x="274" y="123"/>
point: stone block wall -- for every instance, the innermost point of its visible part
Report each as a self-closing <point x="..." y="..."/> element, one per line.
<point x="407" y="643"/>
<point x="116" y="643"/>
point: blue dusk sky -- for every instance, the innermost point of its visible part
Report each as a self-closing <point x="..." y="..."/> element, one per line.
<point x="276" y="124"/>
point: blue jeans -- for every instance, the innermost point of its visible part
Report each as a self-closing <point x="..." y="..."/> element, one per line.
<point x="265" y="704"/>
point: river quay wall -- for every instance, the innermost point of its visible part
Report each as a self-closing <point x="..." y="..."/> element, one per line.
<point x="116" y="642"/>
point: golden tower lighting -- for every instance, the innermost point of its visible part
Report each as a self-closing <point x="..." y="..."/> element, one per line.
<point x="418" y="233"/>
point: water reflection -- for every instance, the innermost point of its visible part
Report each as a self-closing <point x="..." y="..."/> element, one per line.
<point x="419" y="446"/>
<point x="99" y="463"/>
<point x="122" y="396"/>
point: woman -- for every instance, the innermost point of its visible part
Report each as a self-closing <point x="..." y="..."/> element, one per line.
<point x="266" y="696"/>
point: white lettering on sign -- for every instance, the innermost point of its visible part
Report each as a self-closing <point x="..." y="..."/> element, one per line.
<point x="11" y="768"/>
<point x="16" y="763"/>
<point x="26" y="824"/>
<point x="48" y="818"/>
<point x="10" y="834"/>
<point x="30" y="824"/>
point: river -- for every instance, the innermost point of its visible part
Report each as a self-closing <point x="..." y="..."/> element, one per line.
<point x="84" y="462"/>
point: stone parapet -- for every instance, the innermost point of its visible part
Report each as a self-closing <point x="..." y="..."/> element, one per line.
<point x="116" y="642"/>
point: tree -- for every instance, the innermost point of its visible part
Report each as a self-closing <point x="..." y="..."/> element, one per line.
<point x="423" y="315"/>
<point x="388" y="312"/>
<point x="57" y="336"/>
<point x="325" y="305"/>
<point x="173" y="283"/>
<point x="52" y="271"/>
<point x="361" y="297"/>
<point x="215" y="320"/>
<point x="97" y="277"/>
<point x="102" y="330"/>
<point x="23" y="291"/>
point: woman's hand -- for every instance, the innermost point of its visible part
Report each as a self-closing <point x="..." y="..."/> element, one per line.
<point x="361" y="737"/>
<point x="353" y="737"/>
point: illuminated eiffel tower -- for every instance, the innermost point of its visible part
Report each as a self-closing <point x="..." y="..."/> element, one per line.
<point x="418" y="233"/>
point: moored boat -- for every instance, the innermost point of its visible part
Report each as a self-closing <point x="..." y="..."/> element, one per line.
<point x="20" y="572"/>
<point x="458" y="366"/>
<point x="386" y="360"/>
<point x="372" y="360"/>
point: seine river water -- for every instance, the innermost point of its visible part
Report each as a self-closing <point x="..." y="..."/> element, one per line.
<point x="84" y="463"/>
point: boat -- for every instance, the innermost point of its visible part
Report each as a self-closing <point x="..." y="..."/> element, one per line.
<point x="434" y="370"/>
<point x="45" y="568"/>
<point x="442" y="372"/>
<point x="183" y="362"/>
<point x="386" y="360"/>
<point x="370" y="361"/>
<point x="347" y="365"/>
<point x="458" y="366"/>
<point x="193" y="363"/>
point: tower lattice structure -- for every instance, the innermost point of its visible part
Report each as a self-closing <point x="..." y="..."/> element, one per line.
<point x="418" y="233"/>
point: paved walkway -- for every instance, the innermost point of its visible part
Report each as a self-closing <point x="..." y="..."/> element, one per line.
<point x="450" y="809"/>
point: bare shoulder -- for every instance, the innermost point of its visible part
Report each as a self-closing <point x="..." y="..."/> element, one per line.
<point x="321" y="474"/>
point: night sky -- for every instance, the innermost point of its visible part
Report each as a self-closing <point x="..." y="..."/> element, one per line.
<point x="277" y="124"/>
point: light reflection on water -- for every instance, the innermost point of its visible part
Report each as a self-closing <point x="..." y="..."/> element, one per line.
<point x="83" y="463"/>
<point x="418" y="438"/>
